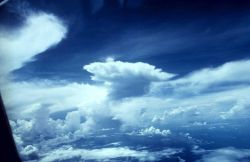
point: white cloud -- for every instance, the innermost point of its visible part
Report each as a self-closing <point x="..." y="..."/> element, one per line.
<point x="106" y="154"/>
<point x="3" y="2"/>
<point x="229" y="74"/>
<point x="208" y="94"/>
<point x="40" y="125"/>
<point x="46" y="132"/>
<point x="140" y="95"/>
<point x="138" y="112"/>
<point x="93" y="103"/>
<point x="73" y="121"/>
<point x="199" y="123"/>
<point x="29" y="152"/>
<point x="234" y="71"/>
<point x="239" y="107"/>
<point x="152" y="131"/>
<point x="171" y="110"/>
<point x="24" y="98"/>
<point x="126" y="79"/>
<point x="40" y="32"/>
<point x="229" y="154"/>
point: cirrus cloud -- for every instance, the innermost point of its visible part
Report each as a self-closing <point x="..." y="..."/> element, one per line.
<point x="39" y="32"/>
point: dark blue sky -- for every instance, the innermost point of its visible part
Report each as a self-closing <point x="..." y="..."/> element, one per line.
<point x="177" y="36"/>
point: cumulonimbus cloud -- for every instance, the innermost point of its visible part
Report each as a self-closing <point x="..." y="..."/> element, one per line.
<point x="126" y="79"/>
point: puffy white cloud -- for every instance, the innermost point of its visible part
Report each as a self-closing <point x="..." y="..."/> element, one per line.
<point x="138" y="111"/>
<point x="152" y="131"/>
<point x="126" y="79"/>
<point x="46" y="133"/>
<point x="29" y="152"/>
<point x="229" y="154"/>
<point x="106" y="154"/>
<point x="73" y="120"/>
<point x="39" y="32"/>
<point x="40" y="125"/>
<point x="171" y="110"/>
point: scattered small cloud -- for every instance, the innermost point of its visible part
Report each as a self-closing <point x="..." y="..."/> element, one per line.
<point x="152" y="131"/>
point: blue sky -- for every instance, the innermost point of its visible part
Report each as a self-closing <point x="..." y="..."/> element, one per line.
<point x="179" y="39"/>
<point x="126" y="70"/>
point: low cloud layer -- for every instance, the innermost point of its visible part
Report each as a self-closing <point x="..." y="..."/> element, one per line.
<point x="107" y="154"/>
<point x="95" y="107"/>
<point x="55" y="96"/>
<point x="229" y="154"/>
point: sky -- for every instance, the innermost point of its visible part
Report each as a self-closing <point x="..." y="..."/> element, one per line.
<point x="130" y="69"/>
<point x="179" y="39"/>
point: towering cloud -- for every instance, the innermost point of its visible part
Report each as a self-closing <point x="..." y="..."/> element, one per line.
<point x="126" y="79"/>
